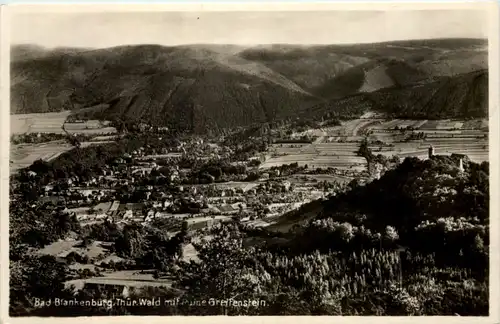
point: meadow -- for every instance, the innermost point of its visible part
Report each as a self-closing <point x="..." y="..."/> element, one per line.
<point x="336" y="147"/>
<point x="24" y="155"/>
<point x="53" y="123"/>
<point x="38" y="123"/>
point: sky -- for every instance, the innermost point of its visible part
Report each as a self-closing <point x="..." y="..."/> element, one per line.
<point x="106" y="29"/>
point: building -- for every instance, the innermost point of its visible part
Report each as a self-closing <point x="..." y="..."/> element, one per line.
<point x="100" y="216"/>
<point x="114" y="207"/>
<point x="286" y="185"/>
<point x="128" y="214"/>
<point x="167" y="203"/>
<point x="116" y="287"/>
<point x="431" y="151"/>
<point x="378" y="171"/>
<point x="227" y="209"/>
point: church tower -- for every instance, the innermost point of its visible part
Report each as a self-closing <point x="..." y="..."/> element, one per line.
<point x="431" y="151"/>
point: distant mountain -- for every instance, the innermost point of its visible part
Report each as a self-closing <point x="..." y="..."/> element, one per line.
<point x="334" y="71"/>
<point x="190" y="87"/>
<point x="26" y="52"/>
<point x="200" y="87"/>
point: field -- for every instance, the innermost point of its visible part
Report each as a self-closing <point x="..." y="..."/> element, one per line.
<point x="312" y="178"/>
<point x="105" y="138"/>
<point x="89" y="127"/>
<point x="129" y="278"/>
<point x="86" y="144"/>
<point x="349" y="130"/>
<point x="323" y="155"/>
<point x="59" y="247"/>
<point x="79" y="210"/>
<point x="34" y="123"/>
<point x="285" y="223"/>
<point x="245" y="186"/>
<point x="23" y="155"/>
<point x="189" y="253"/>
<point x="63" y="248"/>
<point x="446" y="136"/>
<point x="196" y="220"/>
<point x="336" y="146"/>
<point x="53" y="123"/>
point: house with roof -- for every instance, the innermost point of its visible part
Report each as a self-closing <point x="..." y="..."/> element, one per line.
<point x="252" y="192"/>
<point x="52" y="199"/>
<point x="128" y="214"/>
<point x="101" y="216"/>
<point x="167" y="203"/>
<point x="150" y="216"/>
<point x="119" y="284"/>
<point x="286" y="185"/>
<point x="114" y="207"/>
<point x="239" y="205"/>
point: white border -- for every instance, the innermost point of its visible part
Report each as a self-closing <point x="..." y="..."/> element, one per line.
<point x="80" y="7"/>
<point x="4" y="160"/>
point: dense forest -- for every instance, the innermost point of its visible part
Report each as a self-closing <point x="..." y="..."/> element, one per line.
<point x="418" y="244"/>
<point x="460" y="96"/>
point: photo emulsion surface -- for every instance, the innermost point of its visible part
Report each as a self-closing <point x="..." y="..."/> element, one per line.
<point x="249" y="163"/>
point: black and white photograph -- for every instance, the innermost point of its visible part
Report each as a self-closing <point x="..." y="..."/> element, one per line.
<point x="205" y="162"/>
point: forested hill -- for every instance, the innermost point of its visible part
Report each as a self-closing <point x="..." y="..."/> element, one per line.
<point x="459" y="96"/>
<point x="200" y="87"/>
<point x="420" y="200"/>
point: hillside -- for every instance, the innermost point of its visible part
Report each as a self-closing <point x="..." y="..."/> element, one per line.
<point x="201" y="87"/>
<point x="185" y="86"/>
<point x="333" y="71"/>
<point x="414" y="196"/>
<point x="459" y="96"/>
<point x="415" y="192"/>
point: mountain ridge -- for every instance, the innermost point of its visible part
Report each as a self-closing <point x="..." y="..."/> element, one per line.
<point x="201" y="87"/>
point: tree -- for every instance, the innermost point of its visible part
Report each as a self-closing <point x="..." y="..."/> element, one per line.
<point x="221" y="273"/>
<point x="35" y="277"/>
<point x="390" y="234"/>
